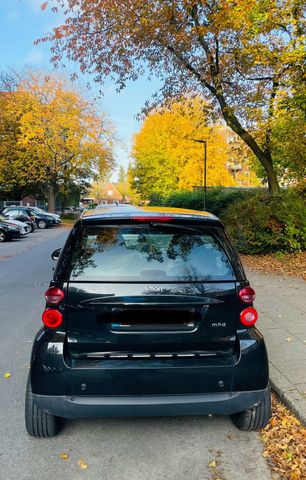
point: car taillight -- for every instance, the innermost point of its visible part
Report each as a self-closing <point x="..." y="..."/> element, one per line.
<point x="151" y="218"/>
<point x="249" y="316"/>
<point x="52" y="318"/>
<point x="54" y="295"/>
<point x="247" y="295"/>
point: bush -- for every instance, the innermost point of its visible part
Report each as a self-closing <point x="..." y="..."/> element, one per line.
<point x="264" y="224"/>
<point x="217" y="199"/>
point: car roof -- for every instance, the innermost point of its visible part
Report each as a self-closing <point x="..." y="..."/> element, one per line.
<point x="132" y="211"/>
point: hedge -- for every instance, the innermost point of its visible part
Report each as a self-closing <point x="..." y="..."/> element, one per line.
<point x="257" y="222"/>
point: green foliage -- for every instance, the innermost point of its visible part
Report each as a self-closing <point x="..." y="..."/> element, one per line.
<point x="256" y="222"/>
<point x="217" y="199"/>
<point x="263" y="224"/>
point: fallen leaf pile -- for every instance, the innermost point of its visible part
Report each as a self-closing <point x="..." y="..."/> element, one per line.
<point x="285" y="443"/>
<point x="293" y="264"/>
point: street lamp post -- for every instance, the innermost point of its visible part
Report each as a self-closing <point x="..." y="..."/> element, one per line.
<point x="204" y="142"/>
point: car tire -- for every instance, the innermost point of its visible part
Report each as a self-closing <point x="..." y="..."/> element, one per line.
<point x="41" y="224"/>
<point x="38" y="422"/>
<point x="2" y="236"/>
<point x="255" y="418"/>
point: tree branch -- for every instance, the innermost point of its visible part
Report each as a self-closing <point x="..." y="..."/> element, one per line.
<point x="191" y="69"/>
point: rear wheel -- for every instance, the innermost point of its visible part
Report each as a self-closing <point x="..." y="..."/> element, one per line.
<point x="255" y="417"/>
<point x="2" y="236"/>
<point x="38" y="422"/>
<point x="41" y="224"/>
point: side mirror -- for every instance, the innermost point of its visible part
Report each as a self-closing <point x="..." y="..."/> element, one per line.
<point x="56" y="254"/>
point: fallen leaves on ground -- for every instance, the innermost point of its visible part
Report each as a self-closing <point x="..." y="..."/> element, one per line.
<point x="82" y="464"/>
<point x="293" y="264"/>
<point x="216" y="466"/>
<point x="7" y="375"/>
<point x="64" y="456"/>
<point x="285" y="443"/>
<point x="4" y="257"/>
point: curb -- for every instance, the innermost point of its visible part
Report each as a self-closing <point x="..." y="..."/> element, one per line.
<point x="288" y="394"/>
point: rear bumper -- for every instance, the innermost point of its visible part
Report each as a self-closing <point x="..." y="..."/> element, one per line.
<point x="135" y="389"/>
<point x="151" y="405"/>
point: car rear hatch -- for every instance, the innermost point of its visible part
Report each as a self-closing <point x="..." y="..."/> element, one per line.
<point x="142" y="293"/>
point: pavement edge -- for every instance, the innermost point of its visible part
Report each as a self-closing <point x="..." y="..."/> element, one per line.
<point x="289" y="395"/>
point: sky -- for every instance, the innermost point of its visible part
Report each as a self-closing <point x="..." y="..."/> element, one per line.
<point x="22" y="21"/>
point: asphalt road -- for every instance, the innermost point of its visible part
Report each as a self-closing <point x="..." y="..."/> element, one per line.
<point x="114" y="449"/>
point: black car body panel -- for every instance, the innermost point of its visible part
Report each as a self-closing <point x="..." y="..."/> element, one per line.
<point x="148" y="344"/>
<point x="10" y="231"/>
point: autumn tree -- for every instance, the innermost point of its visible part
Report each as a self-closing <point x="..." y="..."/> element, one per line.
<point x="123" y="186"/>
<point x="240" y="52"/>
<point x="50" y="136"/>
<point x="166" y="156"/>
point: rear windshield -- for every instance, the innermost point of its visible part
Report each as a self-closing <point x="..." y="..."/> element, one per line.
<point x="144" y="253"/>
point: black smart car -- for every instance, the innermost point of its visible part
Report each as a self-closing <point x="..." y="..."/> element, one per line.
<point x="149" y="313"/>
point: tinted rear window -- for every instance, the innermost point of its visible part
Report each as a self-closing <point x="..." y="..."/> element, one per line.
<point x="142" y="253"/>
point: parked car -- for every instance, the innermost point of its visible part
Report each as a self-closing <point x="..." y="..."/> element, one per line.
<point x="39" y="211"/>
<point x="8" y="232"/>
<point x="24" y="227"/>
<point x="42" y="220"/>
<point x="20" y="214"/>
<point x="149" y="312"/>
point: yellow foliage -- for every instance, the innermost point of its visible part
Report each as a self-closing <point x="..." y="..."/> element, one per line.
<point x="166" y="156"/>
<point x="54" y="135"/>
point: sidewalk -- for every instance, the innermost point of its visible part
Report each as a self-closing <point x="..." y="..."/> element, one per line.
<point x="281" y="302"/>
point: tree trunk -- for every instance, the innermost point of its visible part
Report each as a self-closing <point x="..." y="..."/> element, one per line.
<point x="272" y="179"/>
<point x="51" y="198"/>
<point x="263" y="157"/>
<point x="229" y="116"/>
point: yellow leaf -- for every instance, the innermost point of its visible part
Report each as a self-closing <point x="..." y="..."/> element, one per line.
<point x="288" y="339"/>
<point x="7" y="375"/>
<point x="213" y="464"/>
<point x="83" y="465"/>
<point x="64" y="456"/>
<point x="294" y="476"/>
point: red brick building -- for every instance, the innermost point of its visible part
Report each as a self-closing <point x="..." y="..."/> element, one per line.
<point x="109" y="195"/>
